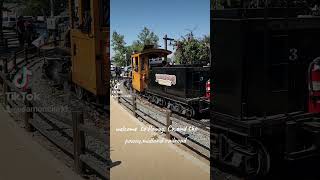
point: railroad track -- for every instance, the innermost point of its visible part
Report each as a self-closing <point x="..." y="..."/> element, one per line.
<point x="203" y="124"/>
<point x="59" y="128"/>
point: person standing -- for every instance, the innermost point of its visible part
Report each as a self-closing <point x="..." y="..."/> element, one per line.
<point x="29" y="32"/>
<point x="21" y="31"/>
<point x="118" y="73"/>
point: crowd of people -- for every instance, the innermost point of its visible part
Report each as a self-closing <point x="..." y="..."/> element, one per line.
<point x="25" y="30"/>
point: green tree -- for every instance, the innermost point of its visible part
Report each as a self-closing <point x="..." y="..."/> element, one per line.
<point x="43" y="8"/>
<point x="36" y="7"/>
<point x="123" y="52"/>
<point x="191" y="50"/>
<point x="145" y="37"/>
<point x="120" y="49"/>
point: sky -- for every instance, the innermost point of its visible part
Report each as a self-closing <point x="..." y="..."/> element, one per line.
<point x="172" y="17"/>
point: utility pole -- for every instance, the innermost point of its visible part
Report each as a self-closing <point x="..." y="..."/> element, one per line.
<point x="166" y="39"/>
<point x="125" y="57"/>
<point x="1" y="21"/>
<point x="52" y="8"/>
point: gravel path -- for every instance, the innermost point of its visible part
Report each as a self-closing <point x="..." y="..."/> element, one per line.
<point x="65" y="101"/>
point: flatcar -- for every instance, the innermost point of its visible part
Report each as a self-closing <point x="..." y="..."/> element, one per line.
<point x="265" y="87"/>
<point x="180" y="88"/>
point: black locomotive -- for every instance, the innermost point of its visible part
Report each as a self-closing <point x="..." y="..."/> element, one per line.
<point x="262" y="107"/>
<point x="180" y="88"/>
<point x="187" y="96"/>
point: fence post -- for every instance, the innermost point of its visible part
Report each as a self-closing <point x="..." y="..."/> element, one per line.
<point x="15" y="60"/>
<point x="26" y="55"/>
<point x="28" y="114"/>
<point x="5" y="90"/>
<point x="5" y="86"/>
<point x="118" y="93"/>
<point x="168" y="124"/>
<point x="5" y="66"/>
<point x="78" y="141"/>
<point x="5" y="43"/>
<point x="134" y="104"/>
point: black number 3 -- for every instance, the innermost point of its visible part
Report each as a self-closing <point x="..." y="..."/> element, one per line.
<point x="293" y="54"/>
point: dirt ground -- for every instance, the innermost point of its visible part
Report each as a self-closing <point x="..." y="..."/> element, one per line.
<point x="149" y="161"/>
<point x="23" y="158"/>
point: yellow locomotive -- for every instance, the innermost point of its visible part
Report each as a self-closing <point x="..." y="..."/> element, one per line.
<point x="140" y="63"/>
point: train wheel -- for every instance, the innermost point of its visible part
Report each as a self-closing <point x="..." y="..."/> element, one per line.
<point x="190" y="112"/>
<point x="262" y="164"/>
<point x="153" y="99"/>
<point x="177" y="108"/>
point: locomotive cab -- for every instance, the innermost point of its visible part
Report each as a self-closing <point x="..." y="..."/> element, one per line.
<point x="140" y="63"/>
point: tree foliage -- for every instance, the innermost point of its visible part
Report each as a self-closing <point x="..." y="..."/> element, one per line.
<point x="192" y="50"/>
<point x="42" y="7"/>
<point x="37" y="7"/>
<point x="145" y="37"/>
<point x="123" y="51"/>
<point x="120" y="49"/>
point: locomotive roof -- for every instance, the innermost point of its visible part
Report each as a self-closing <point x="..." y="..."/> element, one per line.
<point x="154" y="51"/>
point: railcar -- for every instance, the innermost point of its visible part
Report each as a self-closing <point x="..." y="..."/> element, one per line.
<point x="88" y="47"/>
<point x="90" y="41"/>
<point x="265" y="87"/>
